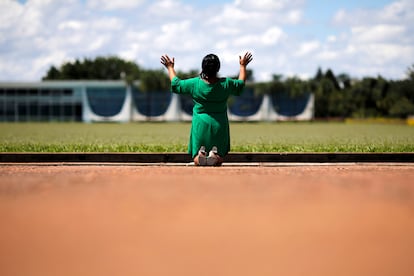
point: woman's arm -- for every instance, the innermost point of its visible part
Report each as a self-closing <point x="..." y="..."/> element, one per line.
<point x="243" y="64"/>
<point x="169" y="64"/>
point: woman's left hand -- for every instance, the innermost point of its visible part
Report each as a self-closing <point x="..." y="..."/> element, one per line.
<point x="167" y="61"/>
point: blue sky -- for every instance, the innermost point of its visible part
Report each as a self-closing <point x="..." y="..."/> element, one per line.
<point x="287" y="37"/>
<point x="320" y="12"/>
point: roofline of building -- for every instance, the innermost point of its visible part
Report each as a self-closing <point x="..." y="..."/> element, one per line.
<point x="64" y="83"/>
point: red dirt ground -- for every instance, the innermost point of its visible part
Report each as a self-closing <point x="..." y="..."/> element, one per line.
<point x="165" y="220"/>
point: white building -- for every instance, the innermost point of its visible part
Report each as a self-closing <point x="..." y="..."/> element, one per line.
<point x="115" y="101"/>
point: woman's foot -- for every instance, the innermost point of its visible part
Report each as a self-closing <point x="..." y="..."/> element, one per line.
<point x="213" y="158"/>
<point x="201" y="158"/>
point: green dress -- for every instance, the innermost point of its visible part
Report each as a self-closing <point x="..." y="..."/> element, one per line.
<point x="210" y="125"/>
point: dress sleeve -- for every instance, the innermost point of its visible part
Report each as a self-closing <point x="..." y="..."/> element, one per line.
<point x="180" y="86"/>
<point x="236" y="86"/>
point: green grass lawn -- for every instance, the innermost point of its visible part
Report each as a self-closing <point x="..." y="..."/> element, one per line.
<point x="173" y="137"/>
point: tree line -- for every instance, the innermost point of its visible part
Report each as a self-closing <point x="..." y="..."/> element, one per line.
<point x="335" y="95"/>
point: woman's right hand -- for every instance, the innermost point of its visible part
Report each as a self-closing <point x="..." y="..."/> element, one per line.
<point x="243" y="63"/>
<point x="246" y="59"/>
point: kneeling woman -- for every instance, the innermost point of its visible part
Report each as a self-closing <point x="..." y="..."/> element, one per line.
<point x="210" y="125"/>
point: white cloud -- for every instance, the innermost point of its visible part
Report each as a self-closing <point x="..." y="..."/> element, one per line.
<point x="40" y="33"/>
<point x="377" y="33"/>
<point x="397" y="11"/>
<point x="308" y="47"/>
<point x="227" y="31"/>
<point x="175" y="31"/>
<point x="294" y="16"/>
<point x="328" y="55"/>
<point x="70" y="25"/>
<point x="340" y="17"/>
<point x="98" y="43"/>
<point x="10" y="11"/>
<point x="165" y="10"/>
<point x="272" y="36"/>
<point x="40" y="61"/>
<point x="331" y="38"/>
<point x="267" y="5"/>
<point x="232" y="16"/>
<point x="375" y="41"/>
<point x="114" y="4"/>
<point x="106" y="24"/>
<point x="384" y="53"/>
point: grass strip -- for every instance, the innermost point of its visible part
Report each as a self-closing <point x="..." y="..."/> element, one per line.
<point x="173" y="137"/>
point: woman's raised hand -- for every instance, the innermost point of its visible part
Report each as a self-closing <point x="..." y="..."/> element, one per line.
<point x="245" y="59"/>
<point x="169" y="64"/>
<point x="167" y="61"/>
<point x="243" y="63"/>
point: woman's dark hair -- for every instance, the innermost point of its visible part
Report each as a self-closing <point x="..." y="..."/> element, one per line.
<point x="210" y="66"/>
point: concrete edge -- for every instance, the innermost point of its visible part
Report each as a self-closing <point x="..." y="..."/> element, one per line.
<point x="184" y="158"/>
<point x="225" y="165"/>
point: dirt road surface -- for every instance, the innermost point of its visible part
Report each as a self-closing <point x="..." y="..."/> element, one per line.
<point x="172" y="220"/>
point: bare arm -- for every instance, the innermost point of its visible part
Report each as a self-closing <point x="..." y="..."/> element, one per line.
<point x="246" y="59"/>
<point x="169" y="64"/>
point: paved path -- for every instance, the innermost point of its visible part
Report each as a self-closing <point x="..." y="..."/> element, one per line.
<point x="177" y="220"/>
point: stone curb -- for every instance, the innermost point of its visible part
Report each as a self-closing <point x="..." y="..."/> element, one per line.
<point x="149" y="158"/>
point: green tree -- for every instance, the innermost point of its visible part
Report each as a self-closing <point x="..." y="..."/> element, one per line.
<point x="53" y="73"/>
<point x="329" y="99"/>
<point x="101" y="68"/>
<point x="319" y="75"/>
<point x="344" y="80"/>
<point x="154" y="81"/>
<point x="190" y="74"/>
<point x="276" y="85"/>
<point x="400" y="98"/>
<point x="332" y="78"/>
<point x="410" y="72"/>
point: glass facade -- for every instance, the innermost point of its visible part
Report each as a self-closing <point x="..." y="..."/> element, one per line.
<point x="151" y="103"/>
<point x="287" y="105"/>
<point x="20" y="104"/>
<point x="247" y="104"/>
<point x="106" y="101"/>
<point x="187" y="104"/>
